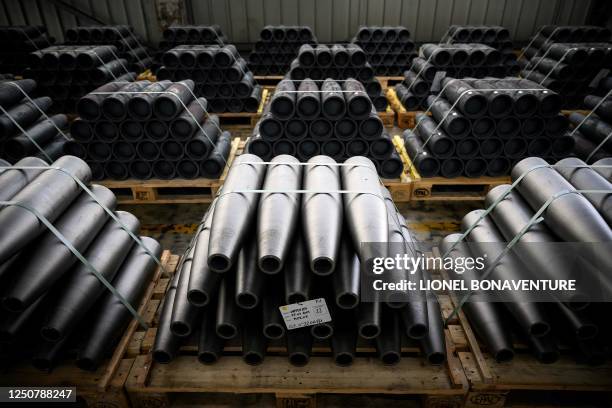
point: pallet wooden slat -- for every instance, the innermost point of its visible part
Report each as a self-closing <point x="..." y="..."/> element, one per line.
<point x="150" y="384"/>
<point x="321" y="375"/>
<point x="467" y="331"/>
<point x="268" y="80"/>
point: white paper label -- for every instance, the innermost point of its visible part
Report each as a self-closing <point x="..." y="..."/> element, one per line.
<point x="305" y="314"/>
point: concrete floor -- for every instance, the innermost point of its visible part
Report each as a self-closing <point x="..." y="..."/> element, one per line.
<point x="174" y="225"/>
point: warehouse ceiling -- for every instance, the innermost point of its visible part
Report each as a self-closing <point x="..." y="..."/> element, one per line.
<point x="332" y="20"/>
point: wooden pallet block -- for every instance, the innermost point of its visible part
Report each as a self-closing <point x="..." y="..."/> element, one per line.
<point x="406" y="119"/>
<point x="400" y="189"/>
<point x="152" y="385"/>
<point x="105" y="386"/>
<point x="174" y="191"/>
<point x="492" y="382"/>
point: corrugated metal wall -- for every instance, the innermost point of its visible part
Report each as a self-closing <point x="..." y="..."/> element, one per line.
<point x="332" y="20"/>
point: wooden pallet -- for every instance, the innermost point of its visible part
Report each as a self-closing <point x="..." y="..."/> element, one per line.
<point x="405" y="119"/>
<point x="174" y="191"/>
<point x="441" y="188"/>
<point x="150" y="384"/>
<point x="248" y="119"/>
<point x="154" y="385"/>
<point x="105" y="386"/>
<point x="491" y="383"/>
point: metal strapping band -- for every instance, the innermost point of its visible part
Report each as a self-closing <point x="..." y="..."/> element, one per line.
<point x="93" y="196"/>
<point x="81" y="258"/>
